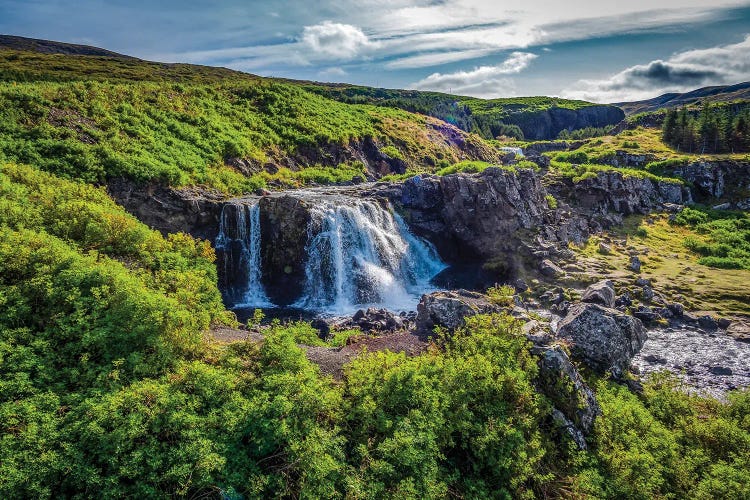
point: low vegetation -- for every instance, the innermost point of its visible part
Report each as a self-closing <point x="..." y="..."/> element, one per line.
<point x="667" y="260"/>
<point x="723" y="237"/>
<point x="185" y="126"/>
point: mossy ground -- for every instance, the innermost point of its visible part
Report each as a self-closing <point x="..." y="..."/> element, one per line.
<point x="673" y="270"/>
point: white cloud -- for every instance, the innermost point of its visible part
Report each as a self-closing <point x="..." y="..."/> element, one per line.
<point x="334" y="72"/>
<point x="680" y="73"/>
<point x="483" y="81"/>
<point x="335" y="40"/>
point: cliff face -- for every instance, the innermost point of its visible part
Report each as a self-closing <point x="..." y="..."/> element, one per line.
<point x="498" y="217"/>
<point x="726" y="180"/>
<point x="544" y="125"/>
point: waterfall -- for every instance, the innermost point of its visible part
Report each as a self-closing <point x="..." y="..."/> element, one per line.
<point x="360" y="253"/>
<point x="239" y="241"/>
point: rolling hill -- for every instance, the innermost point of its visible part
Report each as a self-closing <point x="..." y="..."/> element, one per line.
<point x="722" y="93"/>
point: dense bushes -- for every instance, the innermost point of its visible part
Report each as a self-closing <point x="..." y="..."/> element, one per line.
<point x="724" y="237"/>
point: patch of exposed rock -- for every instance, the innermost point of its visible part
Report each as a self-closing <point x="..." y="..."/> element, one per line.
<point x="450" y="309"/>
<point x="602" y="293"/>
<point x="605" y="339"/>
<point x="576" y="407"/>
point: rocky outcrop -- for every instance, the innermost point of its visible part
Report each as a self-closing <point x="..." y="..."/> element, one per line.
<point x="615" y="192"/>
<point x="603" y="338"/>
<point x="469" y="216"/>
<point x="449" y="309"/>
<point x="718" y="179"/>
<point x="284" y="222"/>
<point x="193" y="211"/>
<point x="602" y="293"/>
<point x="571" y="397"/>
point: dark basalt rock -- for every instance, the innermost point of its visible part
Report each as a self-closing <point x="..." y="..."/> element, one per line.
<point x="284" y="224"/>
<point x="376" y="320"/>
<point x="604" y="339"/>
<point x="449" y="309"/>
<point x="602" y="293"/>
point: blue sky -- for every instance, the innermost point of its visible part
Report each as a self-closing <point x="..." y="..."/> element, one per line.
<point x="605" y="51"/>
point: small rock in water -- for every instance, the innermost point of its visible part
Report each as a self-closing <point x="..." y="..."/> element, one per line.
<point x="720" y="370"/>
<point x="707" y="323"/>
<point x="645" y="314"/>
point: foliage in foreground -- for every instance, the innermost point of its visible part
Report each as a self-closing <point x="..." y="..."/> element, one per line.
<point x="108" y="388"/>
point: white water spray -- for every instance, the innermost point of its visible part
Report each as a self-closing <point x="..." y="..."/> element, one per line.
<point x="246" y="225"/>
<point x="361" y="254"/>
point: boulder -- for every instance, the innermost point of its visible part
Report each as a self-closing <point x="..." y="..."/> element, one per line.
<point x="676" y="309"/>
<point x="635" y="264"/>
<point x="563" y="385"/>
<point x="724" y="323"/>
<point x="376" y="320"/>
<point x="602" y="293"/>
<point x="603" y="338"/>
<point x="707" y="323"/>
<point x="449" y="309"/>
<point x="550" y="269"/>
<point x="645" y="314"/>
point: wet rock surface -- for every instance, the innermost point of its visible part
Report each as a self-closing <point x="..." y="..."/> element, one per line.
<point x="713" y="363"/>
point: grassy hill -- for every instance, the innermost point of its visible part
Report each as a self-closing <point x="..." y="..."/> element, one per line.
<point x="520" y="117"/>
<point x="94" y="117"/>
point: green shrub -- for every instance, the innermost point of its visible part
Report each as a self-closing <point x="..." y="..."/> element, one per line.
<point x="501" y="295"/>
<point x="551" y="201"/>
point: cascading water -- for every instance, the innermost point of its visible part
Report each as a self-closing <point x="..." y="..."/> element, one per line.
<point x="359" y="254"/>
<point x="239" y="240"/>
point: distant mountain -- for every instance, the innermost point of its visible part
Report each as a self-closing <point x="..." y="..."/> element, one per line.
<point x="11" y="42"/>
<point x="721" y="93"/>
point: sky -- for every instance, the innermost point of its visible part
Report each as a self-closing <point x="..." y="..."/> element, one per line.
<point x="602" y="51"/>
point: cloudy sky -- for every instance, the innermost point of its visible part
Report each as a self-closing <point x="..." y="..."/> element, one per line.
<point x="603" y="50"/>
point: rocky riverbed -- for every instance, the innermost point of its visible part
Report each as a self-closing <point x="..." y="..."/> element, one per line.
<point x="709" y="362"/>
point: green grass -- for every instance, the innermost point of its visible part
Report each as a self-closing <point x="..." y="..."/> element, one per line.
<point x="724" y="237"/>
<point x="97" y="118"/>
<point x="676" y="271"/>
<point x="581" y="172"/>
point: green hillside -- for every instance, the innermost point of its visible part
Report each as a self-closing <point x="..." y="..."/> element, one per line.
<point x="515" y="117"/>
<point x="93" y="118"/>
